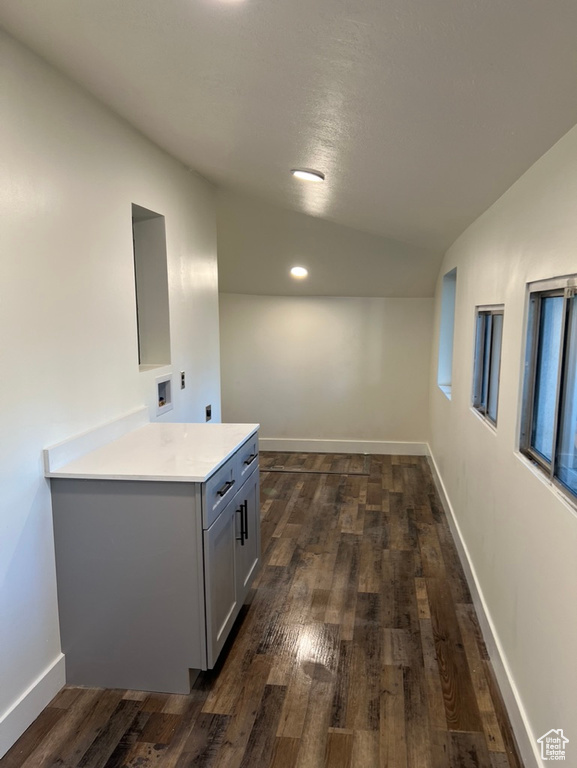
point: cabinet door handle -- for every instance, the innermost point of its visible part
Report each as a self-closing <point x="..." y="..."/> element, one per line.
<point x="250" y="459"/>
<point x="245" y="504"/>
<point x="241" y="537"/>
<point x="225" y="488"/>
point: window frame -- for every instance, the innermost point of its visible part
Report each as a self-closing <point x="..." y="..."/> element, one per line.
<point x="565" y="288"/>
<point x="482" y="362"/>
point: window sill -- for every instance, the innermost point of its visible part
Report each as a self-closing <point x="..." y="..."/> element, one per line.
<point x="446" y="389"/>
<point x="484" y="420"/>
<point x="562" y="495"/>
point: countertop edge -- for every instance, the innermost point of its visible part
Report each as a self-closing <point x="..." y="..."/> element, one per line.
<point x="63" y="474"/>
<point x="127" y="478"/>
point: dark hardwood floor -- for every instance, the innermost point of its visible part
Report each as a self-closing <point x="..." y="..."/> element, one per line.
<point x="360" y="646"/>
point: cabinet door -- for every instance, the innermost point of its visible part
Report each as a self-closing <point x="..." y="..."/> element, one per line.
<point x="248" y="553"/>
<point x="220" y="584"/>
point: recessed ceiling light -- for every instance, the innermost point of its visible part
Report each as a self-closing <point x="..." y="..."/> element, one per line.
<point x="299" y="272"/>
<point x="308" y="174"/>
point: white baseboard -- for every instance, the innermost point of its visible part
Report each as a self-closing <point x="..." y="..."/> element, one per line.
<point x="305" y="445"/>
<point x="26" y="709"/>
<point x="525" y="737"/>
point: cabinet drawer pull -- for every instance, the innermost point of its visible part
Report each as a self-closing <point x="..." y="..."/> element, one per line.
<point x="225" y="488"/>
<point x="242" y="533"/>
<point x="251" y="458"/>
<point x="245" y="504"/>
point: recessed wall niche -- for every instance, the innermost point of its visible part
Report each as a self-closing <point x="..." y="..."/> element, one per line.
<point x="151" y="279"/>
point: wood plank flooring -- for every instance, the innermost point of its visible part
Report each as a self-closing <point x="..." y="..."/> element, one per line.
<point x="359" y="646"/>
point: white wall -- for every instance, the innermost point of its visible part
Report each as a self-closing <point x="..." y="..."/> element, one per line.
<point x="68" y="354"/>
<point x="521" y="536"/>
<point x="258" y="243"/>
<point x="327" y="368"/>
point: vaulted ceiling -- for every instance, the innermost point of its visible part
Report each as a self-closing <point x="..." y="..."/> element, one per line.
<point x="421" y="113"/>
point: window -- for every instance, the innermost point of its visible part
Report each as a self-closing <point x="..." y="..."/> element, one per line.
<point x="446" y="332"/>
<point x="488" y="341"/>
<point x="549" y="418"/>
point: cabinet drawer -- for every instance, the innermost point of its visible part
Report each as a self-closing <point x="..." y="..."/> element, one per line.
<point x="247" y="459"/>
<point x="219" y="490"/>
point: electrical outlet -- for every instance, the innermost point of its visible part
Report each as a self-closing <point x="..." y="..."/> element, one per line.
<point x="208" y="411"/>
<point x="182" y="380"/>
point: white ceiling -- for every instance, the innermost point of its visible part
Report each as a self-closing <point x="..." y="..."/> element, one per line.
<point x="420" y="112"/>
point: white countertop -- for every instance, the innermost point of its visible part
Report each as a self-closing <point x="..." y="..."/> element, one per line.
<point x="167" y="452"/>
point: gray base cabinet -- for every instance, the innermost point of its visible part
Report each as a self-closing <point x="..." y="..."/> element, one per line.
<point x="232" y="552"/>
<point x="152" y="575"/>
